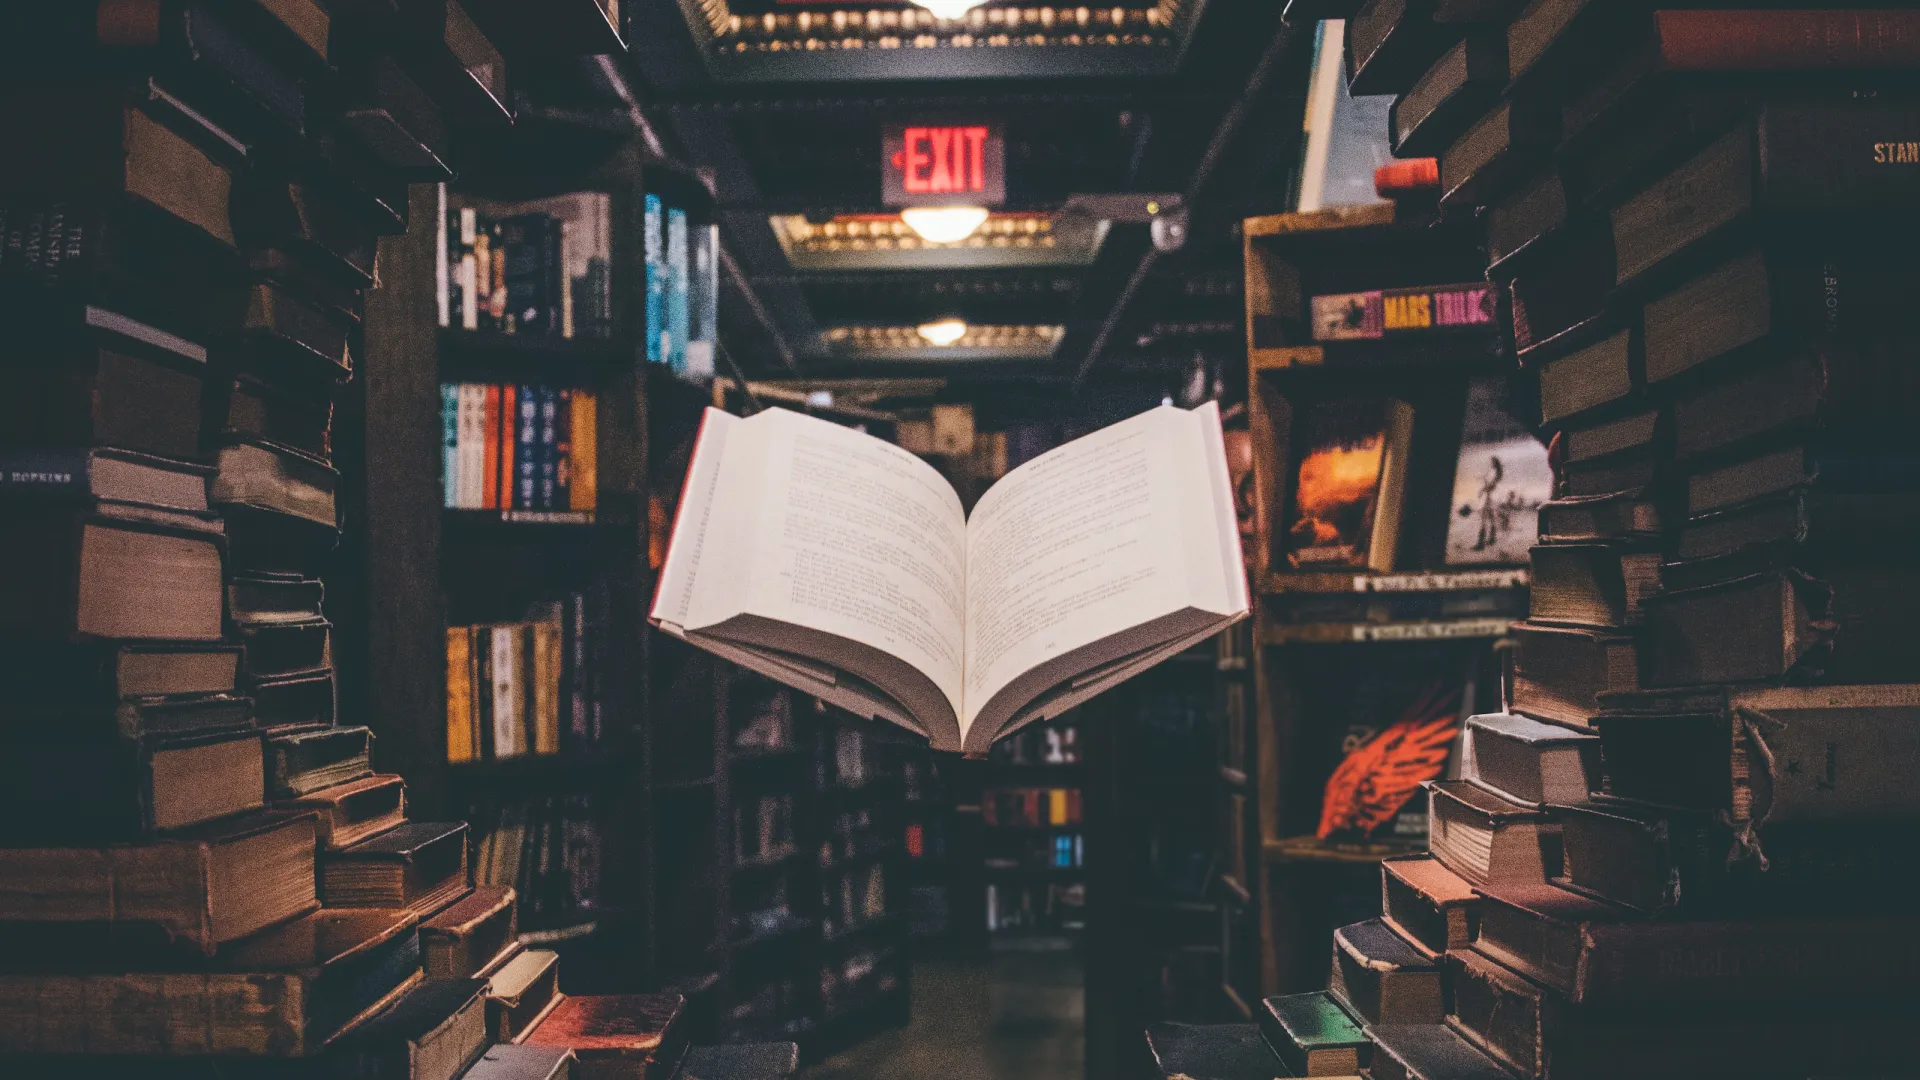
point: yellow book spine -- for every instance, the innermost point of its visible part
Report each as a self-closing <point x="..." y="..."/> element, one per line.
<point x="1057" y="806"/>
<point x="546" y="688"/>
<point x="583" y="494"/>
<point x="460" y="723"/>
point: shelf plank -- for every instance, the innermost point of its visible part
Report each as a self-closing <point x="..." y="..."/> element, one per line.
<point x="1309" y="849"/>
<point x="1377" y="632"/>
<point x="1321" y="582"/>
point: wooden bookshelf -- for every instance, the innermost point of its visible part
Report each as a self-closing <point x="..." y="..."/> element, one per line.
<point x="428" y="567"/>
<point x="1324" y="639"/>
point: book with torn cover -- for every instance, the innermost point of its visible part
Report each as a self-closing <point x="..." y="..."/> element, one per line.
<point x="845" y="566"/>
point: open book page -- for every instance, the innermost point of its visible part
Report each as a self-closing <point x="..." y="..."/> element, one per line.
<point x="1125" y="538"/>
<point x="810" y="526"/>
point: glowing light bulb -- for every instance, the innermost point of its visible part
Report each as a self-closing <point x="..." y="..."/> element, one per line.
<point x="944" y="224"/>
<point x="943" y="333"/>
<point x="949" y="10"/>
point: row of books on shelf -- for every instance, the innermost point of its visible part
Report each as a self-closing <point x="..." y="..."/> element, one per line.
<point x="763" y="829"/>
<point x="1055" y="743"/>
<point x="532" y="686"/>
<point x="541" y="267"/>
<point x="1030" y="807"/>
<point x="527" y="448"/>
<point x="683" y="290"/>
<point x="1061" y="851"/>
<point x="852" y="899"/>
<point x="549" y="852"/>
<point x="1036" y="908"/>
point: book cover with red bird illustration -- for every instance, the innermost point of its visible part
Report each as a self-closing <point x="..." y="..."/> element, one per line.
<point x="1382" y="771"/>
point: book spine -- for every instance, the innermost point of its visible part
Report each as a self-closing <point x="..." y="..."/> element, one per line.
<point x="39" y="474"/>
<point x="450" y="418"/>
<point x="460" y="694"/>
<point x="555" y="279"/>
<point x="562" y="450"/>
<point x="584" y="480"/>
<point x="525" y="687"/>
<point x="1783" y="41"/>
<point x="444" y="257"/>
<point x="509" y="426"/>
<point x="490" y="453"/>
<point x="526" y="450"/>
<point x="473" y="447"/>
<point x="549" y="449"/>
<point x="576" y="671"/>
<point x="656" y="283"/>
<point x="675" y="344"/>
<point x="505" y="649"/>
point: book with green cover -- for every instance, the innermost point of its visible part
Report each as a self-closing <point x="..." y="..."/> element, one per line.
<point x="1313" y="1035"/>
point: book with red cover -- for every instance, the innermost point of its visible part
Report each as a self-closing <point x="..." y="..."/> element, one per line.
<point x="1795" y="40"/>
<point x="490" y="473"/>
<point x="616" y="1036"/>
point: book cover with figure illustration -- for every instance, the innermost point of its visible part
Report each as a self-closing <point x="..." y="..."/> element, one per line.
<point x="1500" y="481"/>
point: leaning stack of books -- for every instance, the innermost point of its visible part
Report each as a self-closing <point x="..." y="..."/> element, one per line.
<point x="1681" y="852"/>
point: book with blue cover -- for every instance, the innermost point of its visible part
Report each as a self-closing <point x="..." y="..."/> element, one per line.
<point x="656" y="263"/>
<point x="675" y="343"/>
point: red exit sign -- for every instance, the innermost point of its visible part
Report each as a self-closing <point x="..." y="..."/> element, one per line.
<point x="927" y="163"/>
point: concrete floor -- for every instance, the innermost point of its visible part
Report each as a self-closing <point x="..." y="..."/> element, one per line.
<point x="1013" y="1014"/>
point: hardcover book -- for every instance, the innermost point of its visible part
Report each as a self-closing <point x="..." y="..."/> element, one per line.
<point x="1500" y="481"/>
<point x="200" y="890"/>
<point x="126" y="788"/>
<point x="435" y="1032"/>
<point x="616" y="1036"/>
<point x="1428" y="1052"/>
<point x="420" y="866"/>
<point x="1528" y="762"/>
<point x="1486" y="839"/>
<point x="1313" y="1035"/>
<point x="521" y="992"/>
<point x="473" y="936"/>
<point x="305" y="760"/>
<point x="872" y="609"/>
<point x="287" y="993"/>
<point x="1382" y="978"/>
<point x="353" y="811"/>
<point x="1344" y="502"/>
<point x="1429" y="905"/>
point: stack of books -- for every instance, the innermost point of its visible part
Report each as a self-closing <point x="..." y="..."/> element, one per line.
<point x="1679" y="853"/>
<point x="198" y="862"/>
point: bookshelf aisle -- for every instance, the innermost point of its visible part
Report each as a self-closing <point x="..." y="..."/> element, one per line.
<point x="780" y="823"/>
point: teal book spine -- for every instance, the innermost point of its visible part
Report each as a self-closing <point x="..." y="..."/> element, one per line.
<point x="656" y="264"/>
<point x="450" y="438"/>
<point x="676" y="335"/>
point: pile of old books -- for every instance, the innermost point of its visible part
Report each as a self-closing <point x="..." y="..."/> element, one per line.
<point x="1684" y="850"/>
<point x="197" y="862"/>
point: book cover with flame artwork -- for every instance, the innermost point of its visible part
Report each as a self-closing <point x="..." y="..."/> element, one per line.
<point x="1499" y="482"/>
<point x="1346" y="492"/>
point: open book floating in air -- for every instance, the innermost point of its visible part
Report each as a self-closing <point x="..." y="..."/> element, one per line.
<point x="844" y="566"/>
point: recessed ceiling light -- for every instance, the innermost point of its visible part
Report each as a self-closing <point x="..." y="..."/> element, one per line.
<point x="944" y="224"/>
<point x="949" y="9"/>
<point x="945" y="332"/>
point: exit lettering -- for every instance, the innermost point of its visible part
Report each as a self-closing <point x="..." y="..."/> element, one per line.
<point x="943" y="160"/>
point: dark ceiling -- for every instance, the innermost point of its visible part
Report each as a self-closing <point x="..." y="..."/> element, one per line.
<point x="780" y="128"/>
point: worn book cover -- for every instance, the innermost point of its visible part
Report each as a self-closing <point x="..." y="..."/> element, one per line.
<point x="1344" y="506"/>
<point x="1500" y="481"/>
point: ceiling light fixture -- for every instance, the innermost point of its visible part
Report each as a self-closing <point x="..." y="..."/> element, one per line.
<point x="943" y="333"/>
<point x="944" y="224"/>
<point x="949" y="10"/>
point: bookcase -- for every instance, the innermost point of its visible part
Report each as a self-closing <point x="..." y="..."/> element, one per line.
<point x="561" y="814"/>
<point x="1378" y="626"/>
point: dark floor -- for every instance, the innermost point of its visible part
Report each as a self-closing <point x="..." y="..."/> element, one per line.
<point x="1014" y="1014"/>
